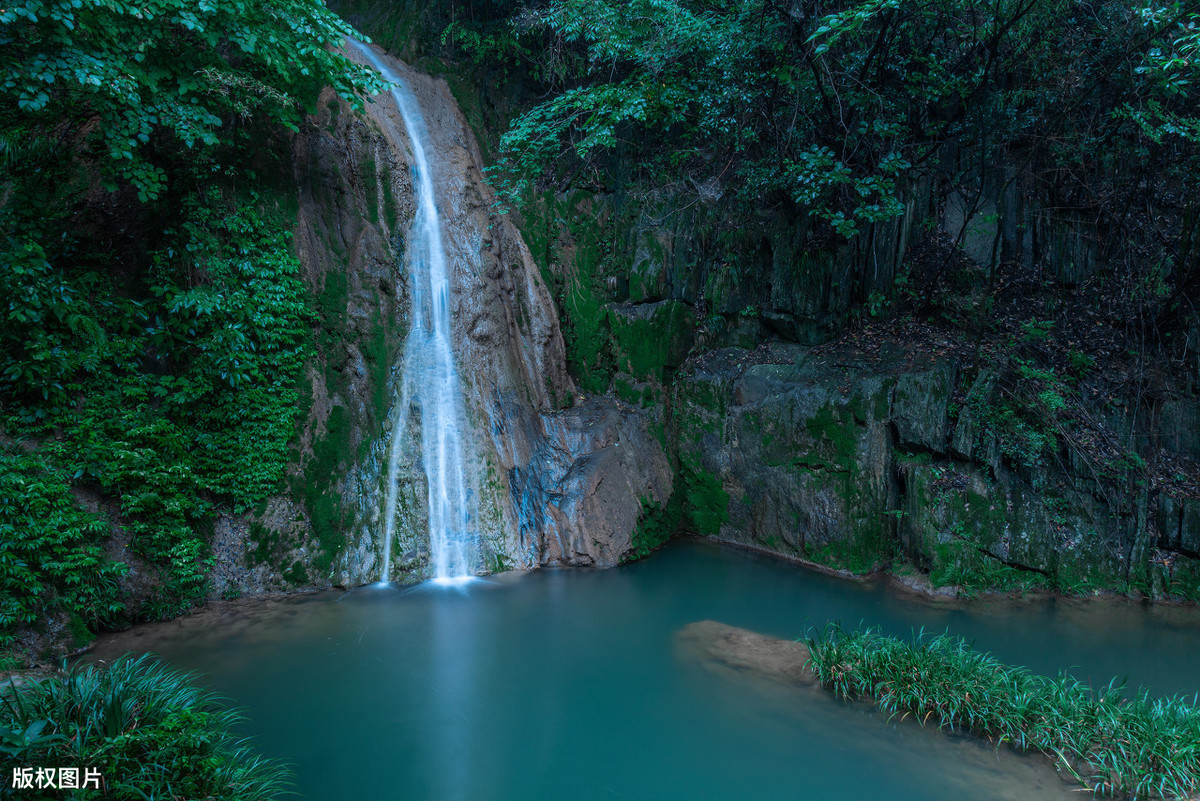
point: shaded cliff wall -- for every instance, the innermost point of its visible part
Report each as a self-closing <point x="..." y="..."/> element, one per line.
<point x="1025" y="454"/>
<point x="858" y="457"/>
<point x="645" y="284"/>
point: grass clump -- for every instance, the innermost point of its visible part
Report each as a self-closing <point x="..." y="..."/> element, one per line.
<point x="1112" y="742"/>
<point x="151" y="733"/>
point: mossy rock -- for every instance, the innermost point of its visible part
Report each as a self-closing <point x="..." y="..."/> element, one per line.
<point x="647" y="274"/>
<point x="921" y="407"/>
<point x="651" y="338"/>
<point x="979" y="531"/>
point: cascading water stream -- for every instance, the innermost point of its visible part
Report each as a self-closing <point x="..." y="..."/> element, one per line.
<point x="429" y="381"/>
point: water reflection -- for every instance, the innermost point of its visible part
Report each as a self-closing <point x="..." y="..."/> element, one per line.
<point x="569" y="684"/>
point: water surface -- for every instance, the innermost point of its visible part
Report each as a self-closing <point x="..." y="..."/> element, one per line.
<point x="570" y="684"/>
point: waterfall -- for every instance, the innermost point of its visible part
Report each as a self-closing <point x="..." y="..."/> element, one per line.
<point x="429" y="382"/>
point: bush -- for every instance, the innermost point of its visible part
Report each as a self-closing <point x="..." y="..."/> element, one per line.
<point x="151" y="733"/>
<point x="50" y="549"/>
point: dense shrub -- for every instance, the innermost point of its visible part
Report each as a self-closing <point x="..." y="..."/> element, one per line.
<point x="50" y="551"/>
<point x="149" y="731"/>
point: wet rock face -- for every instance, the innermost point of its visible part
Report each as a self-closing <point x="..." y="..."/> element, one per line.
<point x="554" y="485"/>
<point x="801" y="452"/>
<point x="586" y="484"/>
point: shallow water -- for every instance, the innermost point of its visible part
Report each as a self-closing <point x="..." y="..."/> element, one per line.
<point x="570" y="684"/>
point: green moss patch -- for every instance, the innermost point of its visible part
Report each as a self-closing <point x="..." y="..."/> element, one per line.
<point x="649" y="340"/>
<point x="323" y="501"/>
<point x="656" y="524"/>
<point x="707" y="502"/>
<point x="859" y="556"/>
<point x="837" y="435"/>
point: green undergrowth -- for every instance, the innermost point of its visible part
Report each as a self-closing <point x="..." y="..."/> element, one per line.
<point x="1115" y="743"/>
<point x="148" y="730"/>
<point x="51" y="550"/>
<point x="959" y="563"/>
<point x="170" y="396"/>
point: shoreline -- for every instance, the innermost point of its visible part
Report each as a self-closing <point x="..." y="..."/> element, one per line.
<point x="917" y="584"/>
<point x="911" y="584"/>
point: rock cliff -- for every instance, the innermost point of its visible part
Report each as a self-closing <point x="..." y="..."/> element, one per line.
<point x="559" y="479"/>
<point x="685" y="409"/>
<point x="859" y="458"/>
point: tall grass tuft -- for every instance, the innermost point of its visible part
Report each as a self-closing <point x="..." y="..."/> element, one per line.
<point x="1113" y="743"/>
<point x="149" y="730"/>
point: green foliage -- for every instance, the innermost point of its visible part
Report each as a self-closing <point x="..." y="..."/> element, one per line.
<point x="175" y="400"/>
<point x="238" y="341"/>
<point x="669" y="67"/>
<point x="656" y="524"/>
<point x="707" y="502"/>
<point x="838" y="114"/>
<point x="47" y="332"/>
<point x="486" y="44"/>
<point x="129" y="81"/>
<point x="149" y="731"/>
<point x="1173" y="58"/>
<point x="1023" y="423"/>
<point x="1113" y="743"/>
<point x="50" y="549"/>
<point x="153" y="323"/>
<point x="1026" y="404"/>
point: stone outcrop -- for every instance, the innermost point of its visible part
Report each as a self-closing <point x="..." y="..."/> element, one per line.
<point x="556" y="481"/>
<point x="853" y="460"/>
<point x="581" y="495"/>
<point x="746" y="651"/>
